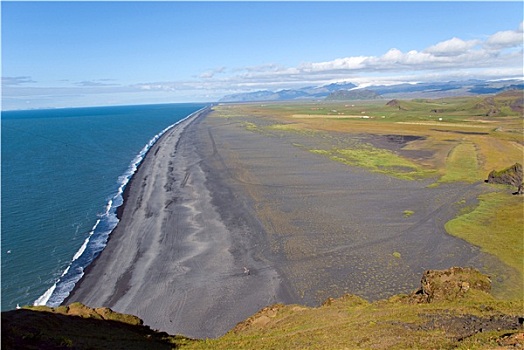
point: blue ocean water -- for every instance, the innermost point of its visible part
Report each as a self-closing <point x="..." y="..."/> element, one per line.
<point x="63" y="172"/>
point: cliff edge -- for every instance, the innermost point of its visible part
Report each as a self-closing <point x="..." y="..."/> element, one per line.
<point x="451" y="309"/>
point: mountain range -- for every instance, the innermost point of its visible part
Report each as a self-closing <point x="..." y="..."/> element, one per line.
<point x="403" y="90"/>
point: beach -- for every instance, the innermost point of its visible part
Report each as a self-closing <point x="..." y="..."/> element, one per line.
<point x="220" y="221"/>
<point x="172" y="259"/>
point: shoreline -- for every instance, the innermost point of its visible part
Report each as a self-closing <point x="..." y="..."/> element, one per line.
<point x="97" y="240"/>
<point x="172" y="260"/>
<point x="125" y="194"/>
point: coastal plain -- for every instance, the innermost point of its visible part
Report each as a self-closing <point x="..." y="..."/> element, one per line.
<point x="250" y="205"/>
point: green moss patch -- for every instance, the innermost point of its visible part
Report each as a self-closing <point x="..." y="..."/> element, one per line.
<point x="377" y="160"/>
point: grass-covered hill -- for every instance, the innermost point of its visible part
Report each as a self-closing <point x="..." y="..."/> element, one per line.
<point x="452" y="309"/>
<point x="507" y="103"/>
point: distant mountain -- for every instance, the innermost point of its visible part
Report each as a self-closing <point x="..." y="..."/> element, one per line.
<point x="309" y="92"/>
<point x="264" y="95"/>
<point x="404" y="90"/>
<point x="325" y="90"/>
<point x="357" y="94"/>
<point x="446" y="89"/>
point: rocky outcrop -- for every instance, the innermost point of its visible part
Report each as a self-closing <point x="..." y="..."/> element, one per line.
<point x="393" y="103"/>
<point x="260" y="319"/>
<point x="503" y="104"/>
<point x="450" y="284"/>
<point x="517" y="105"/>
<point x="79" y="327"/>
<point x="512" y="176"/>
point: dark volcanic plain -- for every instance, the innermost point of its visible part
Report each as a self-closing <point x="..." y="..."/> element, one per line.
<point x="213" y="198"/>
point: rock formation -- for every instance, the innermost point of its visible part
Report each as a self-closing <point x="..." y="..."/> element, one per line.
<point x="450" y="284"/>
<point x="512" y="176"/>
<point x="393" y="103"/>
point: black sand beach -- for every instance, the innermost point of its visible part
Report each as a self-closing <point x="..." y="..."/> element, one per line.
<point x="213" y="199"/>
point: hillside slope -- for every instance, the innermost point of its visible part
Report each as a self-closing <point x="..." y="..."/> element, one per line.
<point x="452" y="309"/>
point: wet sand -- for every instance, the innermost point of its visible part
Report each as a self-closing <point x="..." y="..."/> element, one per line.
<point x="212" y="198"/>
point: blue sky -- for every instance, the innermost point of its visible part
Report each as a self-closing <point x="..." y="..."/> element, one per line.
<point x="64" y="54"/>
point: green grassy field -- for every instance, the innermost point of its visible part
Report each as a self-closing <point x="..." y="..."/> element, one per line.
<point x="352" y="323"/>
<point x="462" y="164"/>
<point x="496" y="225"/>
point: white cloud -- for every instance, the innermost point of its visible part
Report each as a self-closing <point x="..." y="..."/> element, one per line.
<point x="451" y="47"/>
<point x="355" y="62"/>
<point x="506" y="39"/>
<point x="450" y="57"/>
<point x="396" y="59"/>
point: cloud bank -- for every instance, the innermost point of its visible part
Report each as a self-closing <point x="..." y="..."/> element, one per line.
<point x="499" y="54"/>
<point x="496" y="56"/>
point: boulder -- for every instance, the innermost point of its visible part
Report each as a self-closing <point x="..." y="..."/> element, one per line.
<point x="512" y="176"/>
<point x="450" y="284"/>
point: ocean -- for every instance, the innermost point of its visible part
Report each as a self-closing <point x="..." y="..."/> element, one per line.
<point x="62" y="176"/>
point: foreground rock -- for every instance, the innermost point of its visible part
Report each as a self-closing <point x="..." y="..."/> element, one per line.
<point x="450" y="284"/>
<point x="512" y="176"/>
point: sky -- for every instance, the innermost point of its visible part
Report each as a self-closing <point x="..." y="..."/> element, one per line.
<point x="73" y="54"/>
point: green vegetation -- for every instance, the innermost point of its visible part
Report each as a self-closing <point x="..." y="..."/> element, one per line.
<point x="397" y="255"/>
<point x="408" y="213"/>
<point x="250" y="126"/>
<point x="377" y="160"/>
<point x="495" y="225"/>
<point x="451" y="109"/>
<point x="401" y="322"/>
<point x="462" y="164"/>
<point x="284" y="127"/>
<point x="452" y="309"/>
